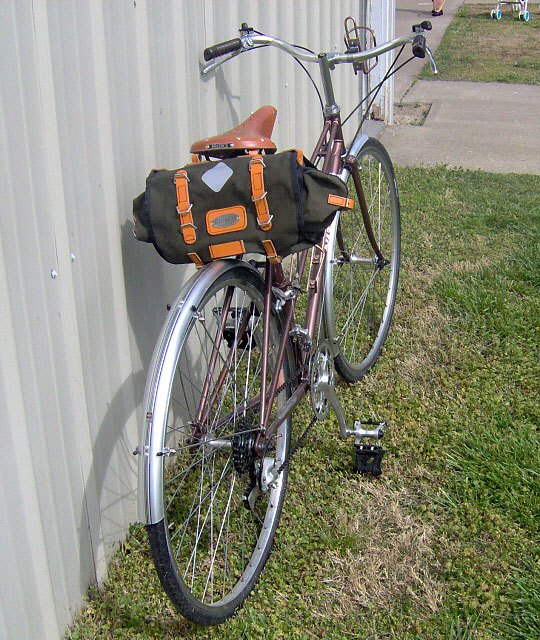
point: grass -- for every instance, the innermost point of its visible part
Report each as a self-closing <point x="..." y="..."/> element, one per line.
<point x="445" y="545"/>
<point x="477" y="48"/>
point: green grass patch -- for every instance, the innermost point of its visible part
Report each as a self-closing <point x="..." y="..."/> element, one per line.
<point x="446" y="543"/>
<point x="478" y="48"/>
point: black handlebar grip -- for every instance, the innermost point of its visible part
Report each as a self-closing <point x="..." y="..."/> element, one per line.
<point x="222" y="48"/>
<point x="419" y="46"/>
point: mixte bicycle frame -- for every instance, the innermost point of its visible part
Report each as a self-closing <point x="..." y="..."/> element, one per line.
<point x="297" y="353"/>
<point x="331" y="150"/>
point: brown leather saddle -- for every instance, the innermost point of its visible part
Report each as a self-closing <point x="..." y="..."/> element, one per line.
<point x="252" y="135"/>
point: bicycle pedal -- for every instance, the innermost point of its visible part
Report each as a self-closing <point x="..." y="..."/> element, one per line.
<point x="368" y="458"/>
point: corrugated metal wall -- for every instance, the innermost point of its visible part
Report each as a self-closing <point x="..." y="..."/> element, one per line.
<point x="382" y="21"/>
<point x="93" y="95"/>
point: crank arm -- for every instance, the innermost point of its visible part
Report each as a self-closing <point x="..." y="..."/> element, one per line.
<point x="330" y="394"/>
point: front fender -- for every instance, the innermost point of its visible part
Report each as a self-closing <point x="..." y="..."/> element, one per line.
<point x="356" y="147"/>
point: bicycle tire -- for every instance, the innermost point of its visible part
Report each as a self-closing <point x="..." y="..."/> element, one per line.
<point x="361" y="295"/>
<point x="209" y="549"/>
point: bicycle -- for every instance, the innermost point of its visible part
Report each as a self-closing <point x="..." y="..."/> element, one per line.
<point x="232" y="362"/>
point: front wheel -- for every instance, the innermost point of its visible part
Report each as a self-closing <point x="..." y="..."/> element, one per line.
<point x="217" y="520"/>
<point x="360" y="286"/>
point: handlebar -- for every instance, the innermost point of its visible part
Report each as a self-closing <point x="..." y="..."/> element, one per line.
<point x="222" y="48"/>
<point x="250" y="40"/>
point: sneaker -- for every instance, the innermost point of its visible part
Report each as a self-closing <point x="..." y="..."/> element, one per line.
<point x="437" y="13"/>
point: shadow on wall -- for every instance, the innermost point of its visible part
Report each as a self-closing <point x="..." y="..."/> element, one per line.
<point x="151" y="284"/>
<point x="148" y="281"/>
<point x="146" y="276"/>
<point x="225" y="95"/>
<point x="111" y="437"/>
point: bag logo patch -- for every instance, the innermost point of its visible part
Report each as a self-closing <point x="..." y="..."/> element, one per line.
<point x="217" y="176"/>
<point x="226" y="220"/>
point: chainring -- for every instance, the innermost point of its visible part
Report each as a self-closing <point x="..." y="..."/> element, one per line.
<point x="321" y="368"/>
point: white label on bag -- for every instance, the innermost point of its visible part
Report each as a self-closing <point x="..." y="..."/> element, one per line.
<point x="217" y="176"/>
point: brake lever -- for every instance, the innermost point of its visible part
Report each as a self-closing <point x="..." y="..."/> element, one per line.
<point x="423" y="26"/>
<point x="245" y="30"/>
<point x="210" y="66"/>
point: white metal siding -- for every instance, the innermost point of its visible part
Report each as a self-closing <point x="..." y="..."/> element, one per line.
<point x="383" y="23"/>
<point x="93" y="95"/>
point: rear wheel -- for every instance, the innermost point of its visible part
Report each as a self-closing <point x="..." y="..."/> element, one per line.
<point x="361" y="288"/>
<point x="215" y="538"/>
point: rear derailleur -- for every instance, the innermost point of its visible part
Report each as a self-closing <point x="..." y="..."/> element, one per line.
<point x="262" y="471"/>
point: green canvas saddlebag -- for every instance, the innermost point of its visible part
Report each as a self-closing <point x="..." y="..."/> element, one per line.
<point x="273" y="204"/>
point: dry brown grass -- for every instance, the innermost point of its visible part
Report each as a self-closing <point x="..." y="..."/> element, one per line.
<point x="397" y="562"/>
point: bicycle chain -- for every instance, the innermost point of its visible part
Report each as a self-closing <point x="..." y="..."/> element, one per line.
<point x="294" y="449"/>
<point x="297" y="445"/>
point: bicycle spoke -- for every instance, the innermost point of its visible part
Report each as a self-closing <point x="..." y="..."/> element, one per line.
<point x="213" y="555"/>
<point x="360" y="302"/>
<point x="212" y="535"/>
<point x="199" y="526"/>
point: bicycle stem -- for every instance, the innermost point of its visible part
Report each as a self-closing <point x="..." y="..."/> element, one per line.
<point x="330" y="108"/>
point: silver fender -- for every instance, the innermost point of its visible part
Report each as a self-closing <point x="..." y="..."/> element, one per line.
<point x="163" y="363"/>
<point x="355" y="149"/>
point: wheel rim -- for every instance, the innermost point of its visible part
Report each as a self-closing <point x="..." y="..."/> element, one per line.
<point x="362" y="291"/>
<point x="217" y="545"/>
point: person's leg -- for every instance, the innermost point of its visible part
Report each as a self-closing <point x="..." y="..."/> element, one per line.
<point x="437" y="7"/>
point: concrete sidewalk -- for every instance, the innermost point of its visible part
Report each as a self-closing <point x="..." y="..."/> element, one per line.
<point x="475" y="125"/>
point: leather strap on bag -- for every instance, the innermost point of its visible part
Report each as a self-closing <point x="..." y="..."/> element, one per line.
<point x="258" y="194"/>
<point x="271" y="252"/>
<point x="341" y="202"/>
<point x="194" y="257"/>
<point x="184" y="207"/>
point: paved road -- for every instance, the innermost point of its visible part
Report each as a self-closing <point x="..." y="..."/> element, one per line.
<point x="476" y="125"/>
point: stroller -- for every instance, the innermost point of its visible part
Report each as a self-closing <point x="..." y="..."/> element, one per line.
<point x="520" y="6"/>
